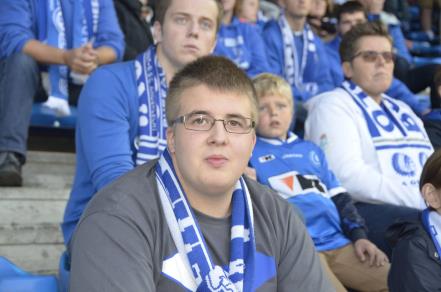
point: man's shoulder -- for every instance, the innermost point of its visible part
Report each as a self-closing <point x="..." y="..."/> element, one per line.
<point x="267" y="200"/>
<point x="137" y="187"/>
<point x="337" y="97"/>
<point x="271" y="26"/>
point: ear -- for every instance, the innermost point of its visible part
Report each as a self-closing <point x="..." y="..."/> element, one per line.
<point x="157" y="32"/>
<point x="171" y="139"/>
<point x="347" y="69"/>
<point x="429" y="192"/>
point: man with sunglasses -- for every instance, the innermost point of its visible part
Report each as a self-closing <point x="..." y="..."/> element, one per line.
<point x="191" y="221"/>
<point x="376" y="145"/>
<point x="348" y="15"/>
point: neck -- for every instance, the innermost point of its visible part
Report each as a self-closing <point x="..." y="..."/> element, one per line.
<point x="228" y="16"/>
<point x="296" y="23"/>
<point x="214" y="205"/>
<point x="169" y="69"/>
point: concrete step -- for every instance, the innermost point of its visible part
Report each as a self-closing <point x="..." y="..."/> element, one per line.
<point x="30" y="216"/>
<point x="35" y="258"/>
<point x="33" y="194"/>
<point x="51" y="157"/>
<point x="22" y="234"/>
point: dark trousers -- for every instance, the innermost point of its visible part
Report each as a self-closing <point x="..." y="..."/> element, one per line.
<point x="20" y="84"/>
<point x="19" y="79"/>
<point x="379" y="217"/>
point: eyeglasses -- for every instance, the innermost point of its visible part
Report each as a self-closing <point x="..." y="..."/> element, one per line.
<point x="204" y="122"/>
<point x="372" y="56"/>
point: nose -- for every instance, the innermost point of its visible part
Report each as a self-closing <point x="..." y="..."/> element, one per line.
<point x="218" y="134"/>
<point x="272" y="110"/>
<point x="193" y="29"/>
<point x="380" y="60"/>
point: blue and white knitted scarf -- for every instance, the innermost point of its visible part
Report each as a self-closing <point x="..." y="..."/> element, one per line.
<point x="401" y="144"/>
<point x="84" y="27"/>
<point x="189" y="240"/>
<point x="298" y="68"/>
<point x="152" y="91"/>
<point x="432" y="223"/>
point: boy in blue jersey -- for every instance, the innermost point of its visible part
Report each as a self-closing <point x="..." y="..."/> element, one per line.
<point x="298" y="171"/>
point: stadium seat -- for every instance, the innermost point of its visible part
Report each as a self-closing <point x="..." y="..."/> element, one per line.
<point x="14" y="279"/>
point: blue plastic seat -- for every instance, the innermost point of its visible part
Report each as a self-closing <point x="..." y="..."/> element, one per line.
<point x="14" y="279"/>
<point x="45" y="117"/>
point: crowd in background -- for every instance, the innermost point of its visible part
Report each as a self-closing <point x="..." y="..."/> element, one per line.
<point x="359" y="80"/>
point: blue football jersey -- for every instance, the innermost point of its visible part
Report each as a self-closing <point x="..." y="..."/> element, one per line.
<point x="298" y="171"/>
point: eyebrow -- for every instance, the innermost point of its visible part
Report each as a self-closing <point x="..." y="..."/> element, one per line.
<point x="202" y="112"/>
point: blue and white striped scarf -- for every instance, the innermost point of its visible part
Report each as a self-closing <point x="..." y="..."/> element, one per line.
<point x="84" y="27"/>
<point x="297" y="68"/>
<point x="189" y="240"/>
<point x="152" y="91"/>
<point x="400" y="142"/>
<point x="432" y="224"/>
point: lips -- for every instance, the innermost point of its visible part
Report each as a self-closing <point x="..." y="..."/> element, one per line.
<point x="274" y="124"/>
<point x="192" y="48"/>
<point x="216" y="160"/>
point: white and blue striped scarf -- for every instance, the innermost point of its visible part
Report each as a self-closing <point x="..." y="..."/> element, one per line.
<point x="432" y="224"/>
<point x="400" y="142"/>
<point x="84" y="27"/>
<point x="189" y="240"/>
<point x="297" y="69"/>
<point x="152" y="91"/>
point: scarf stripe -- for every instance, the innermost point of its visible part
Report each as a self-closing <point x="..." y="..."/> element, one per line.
<point x="432" y="224"/>
<point x="297" y="68"/>
<point x="401" y="145"/>
<point x="152" y="91"/>
<point x="189" y="239"/>
<point x="85" y="25"/>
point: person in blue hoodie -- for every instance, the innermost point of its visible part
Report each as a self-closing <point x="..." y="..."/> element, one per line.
<point x="121" y="120"/>
<point x="298" y="171"/>
<point x="66" y="39"/>
<point x="241" y="42"/>
<point x="348" y="15"/>
<point x="297" y="54"/>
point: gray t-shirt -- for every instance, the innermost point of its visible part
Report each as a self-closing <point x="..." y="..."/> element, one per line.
<point x="123" y="243"/>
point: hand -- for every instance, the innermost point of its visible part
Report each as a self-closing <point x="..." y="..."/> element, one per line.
<point x="366" y="249"/>
<point x="82" y="60"/>
<point x="250" y="172"/>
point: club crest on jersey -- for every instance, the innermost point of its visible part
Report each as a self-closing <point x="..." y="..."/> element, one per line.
<point x="266" y="158"/>
<point x="314" y="158"/>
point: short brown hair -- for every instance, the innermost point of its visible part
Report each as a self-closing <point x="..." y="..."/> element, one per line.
<point x="269" y="84"/>
<point x="349" y="42"/>
<point x="163" y="5"/>
<point x="432" y="170"/>
<point x="216" y="73"/>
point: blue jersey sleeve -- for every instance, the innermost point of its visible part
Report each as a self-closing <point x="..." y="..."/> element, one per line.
<point x="400" y="91"/>
<point x="109" y="33"/>
<point x="17" y="25"/>
<point x="104" y="122"/>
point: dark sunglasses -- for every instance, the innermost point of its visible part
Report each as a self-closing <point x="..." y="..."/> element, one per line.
<point x="372" y="56"/>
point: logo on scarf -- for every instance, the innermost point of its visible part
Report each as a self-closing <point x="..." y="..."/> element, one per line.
<point x="217" y="280"/>
<point x="403" y="164"/>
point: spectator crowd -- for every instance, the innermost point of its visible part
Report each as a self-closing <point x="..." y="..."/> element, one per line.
<point x="236" y="145"/>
